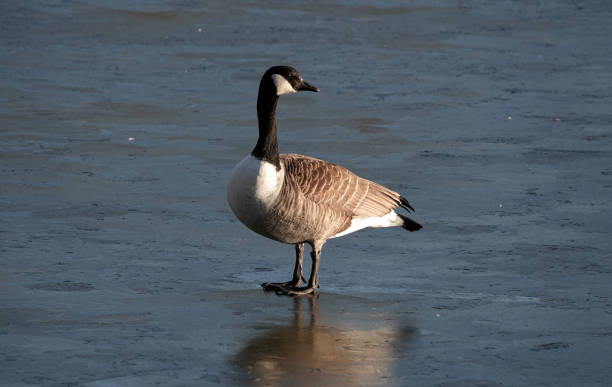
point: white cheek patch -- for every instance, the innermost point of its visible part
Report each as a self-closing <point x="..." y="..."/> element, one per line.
<point x="282" y="85"/>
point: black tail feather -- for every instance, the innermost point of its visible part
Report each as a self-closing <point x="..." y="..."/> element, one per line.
<point x="410" y="224"/>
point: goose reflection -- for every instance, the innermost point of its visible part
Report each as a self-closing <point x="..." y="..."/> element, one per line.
<point x="307" y="353"/>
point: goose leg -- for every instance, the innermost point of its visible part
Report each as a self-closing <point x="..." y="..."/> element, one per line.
<point x="313" y="282"/>
<point x="298" y="276"/>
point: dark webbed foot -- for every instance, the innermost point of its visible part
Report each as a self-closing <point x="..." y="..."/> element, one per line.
<point x="280" y="286"/>
<point x="292" y="288"/>
<point x="298" y="276"/>
<point x="287" y="288"/>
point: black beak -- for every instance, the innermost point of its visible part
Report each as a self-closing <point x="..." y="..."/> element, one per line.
<point x="305" y="86"/>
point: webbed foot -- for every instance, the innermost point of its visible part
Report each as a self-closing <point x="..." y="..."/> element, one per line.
<point x="280" y="286"/>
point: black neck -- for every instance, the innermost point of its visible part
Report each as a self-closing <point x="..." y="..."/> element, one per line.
<point x="266" y="148"/>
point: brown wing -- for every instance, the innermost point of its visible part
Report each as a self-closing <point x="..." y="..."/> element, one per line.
<point x="338" y="188"/>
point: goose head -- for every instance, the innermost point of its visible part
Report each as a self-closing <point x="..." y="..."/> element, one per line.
<point x="285" y="80"/>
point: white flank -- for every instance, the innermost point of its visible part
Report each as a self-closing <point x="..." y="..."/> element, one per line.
<point x="253" y="190"/>
<point x="282" y="85"/>
<point x="360" y="222"/>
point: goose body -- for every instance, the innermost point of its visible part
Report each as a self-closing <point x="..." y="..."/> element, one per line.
<point x="298" y="199"/>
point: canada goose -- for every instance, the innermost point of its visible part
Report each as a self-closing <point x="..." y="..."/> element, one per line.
<point x="299" y="199"/>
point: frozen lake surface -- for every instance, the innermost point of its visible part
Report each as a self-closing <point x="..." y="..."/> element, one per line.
<point x="122" y="265"/>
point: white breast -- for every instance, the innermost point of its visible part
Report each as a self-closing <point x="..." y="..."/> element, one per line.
<point x="253" y="191"/>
